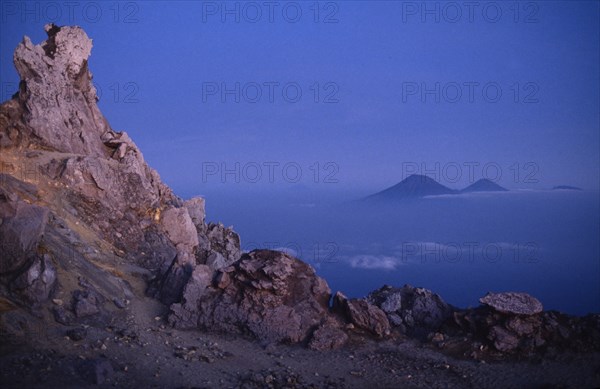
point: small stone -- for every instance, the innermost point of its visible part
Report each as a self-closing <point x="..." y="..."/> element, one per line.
<point x="437" y="338"/>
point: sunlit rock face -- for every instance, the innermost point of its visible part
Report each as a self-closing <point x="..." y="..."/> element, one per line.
<point x="77" y="197"/>
<point x="57" y="93"/>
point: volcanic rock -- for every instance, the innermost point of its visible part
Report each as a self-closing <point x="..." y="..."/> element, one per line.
<point x="515" y="303"/>
<point x="362" y="314"/>
<point x="37" y="282"/>
<point x="503" y="339"/>
<point x="271" y="296"/>
<point x="417" y="311"/>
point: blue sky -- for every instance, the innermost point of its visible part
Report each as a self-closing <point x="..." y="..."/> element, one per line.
<point x="369" y="125"/>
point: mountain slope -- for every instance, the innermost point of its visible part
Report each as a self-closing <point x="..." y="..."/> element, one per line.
<point x="484" y="185"/>
<point x="412" y="187"/>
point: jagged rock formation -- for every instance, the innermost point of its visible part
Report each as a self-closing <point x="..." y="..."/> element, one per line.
<point x="56" y="95"/>
<point x="77" y="196"/>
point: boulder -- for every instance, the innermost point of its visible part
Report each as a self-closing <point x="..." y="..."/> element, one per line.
<point x="37" y="282"/>
<point x="514" y="303"/>
<point x="180" y="228"/>
<point x="417" y="311"/>
<point x="269" y="295"/>
<point x="362" y="314"/>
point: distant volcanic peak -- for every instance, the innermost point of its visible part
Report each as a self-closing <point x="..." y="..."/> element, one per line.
<point x="418" y="186"/>
<point x="484" y="185"/>
<point x="414" y="186"/>
<point x="566" y="187"/>
<point x="420" y="178"/>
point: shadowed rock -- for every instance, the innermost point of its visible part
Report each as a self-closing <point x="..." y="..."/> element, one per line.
<point x="37" y="282"/>
<point x="269" y="295"/>
<point x="416" y="311"/>
<point x="362" y="314"/>
<point x="21" y="232"/>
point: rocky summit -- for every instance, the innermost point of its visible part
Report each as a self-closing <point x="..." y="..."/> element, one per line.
<point x="108" y="278"/>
